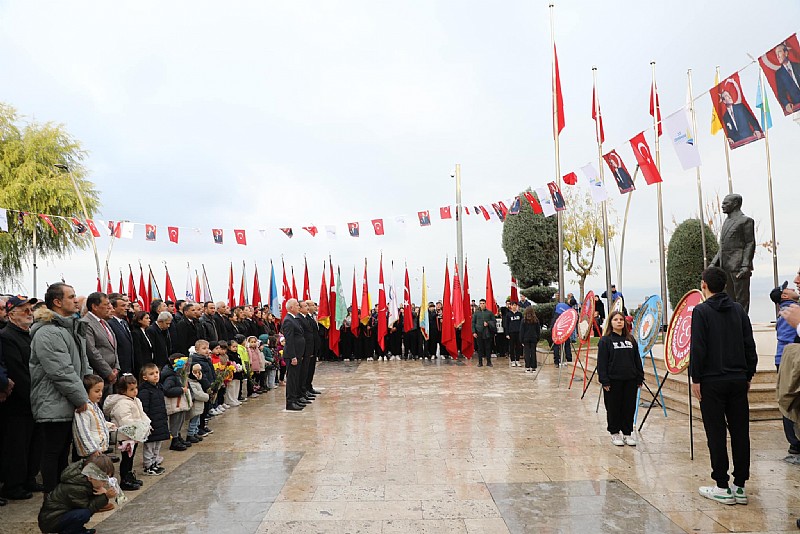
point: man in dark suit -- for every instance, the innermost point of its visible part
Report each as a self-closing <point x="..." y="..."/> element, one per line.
<point x="162" y="341"/>
<point x="310" y="334"/>
<point x="225" y="329"/>
<point x="207" y="322"/>
<point x="739" y="122"/>
<point x="737" y="246"/>
<point x="122" y="332"/>
<point x="101" y="345"/>
<point x="189" y="329"/>
<point x="314" y="328"/>
<point x="293" y="351"/>
<point x="622" y="176"/>
<point x="787" y="80"/>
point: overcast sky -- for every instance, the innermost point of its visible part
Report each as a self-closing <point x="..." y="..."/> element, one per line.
<point x="259" y="115"/>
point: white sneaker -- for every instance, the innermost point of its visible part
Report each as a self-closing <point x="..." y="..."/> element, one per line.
<point x="629" y="440"/>
<point x="213" y="411"/>
<point x="617" y="440"/>
<point x="226" y="406"/>
<point x="528" y="370"/>
<point x="720" y="495"/>
<point x="739" y="495"/>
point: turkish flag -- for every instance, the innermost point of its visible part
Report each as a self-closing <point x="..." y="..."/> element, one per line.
<point x="571" y="178"/>
<point x="485" y="212"/>
<point x="241" y="237"/>
<point x="377" y="225"/>
<point x="92" y="228"/>
<point x="466" y="209"/>
<point x="558" y="100"/>
<point x="598" y="117"/>
<point x="531" y="198"/>
<point x="444" y="212"/>
<point x="311" y="230"/>
<point x="231" y="293"/>
<point x="382" y="310"/>
<point x="46" y="219"/>
<point x="173" y="233"/>
<point x="655" y="109"/>
<point x="150" y="232"/>
<point x="645" y="159"/>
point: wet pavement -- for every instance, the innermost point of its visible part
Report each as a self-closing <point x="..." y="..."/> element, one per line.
<point x="410" y="446"/>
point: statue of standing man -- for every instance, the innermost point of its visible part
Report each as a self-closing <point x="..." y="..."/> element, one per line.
<point x="737" y="246"/>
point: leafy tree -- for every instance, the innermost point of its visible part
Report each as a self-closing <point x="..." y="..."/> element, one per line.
<point x="29" y="182"/>
<point x="583" y="234"/>
<point x="530" y="242"/>
<point x="685" y="258"/>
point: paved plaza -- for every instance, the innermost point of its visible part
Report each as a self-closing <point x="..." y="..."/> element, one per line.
<point x="443" y="446"/>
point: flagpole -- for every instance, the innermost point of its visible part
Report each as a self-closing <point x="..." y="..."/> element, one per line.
<point x="606" y="252"/>
<point x="559" y="217"/>
<point x="662" y="262"/>
<point x="765" y="127"/>
<point x="728" y="157"/>
<point x="34" y="257"/>
<point x="62" y="167"/>
<point x="699" y="184"/>
<point x="459" y="229"/>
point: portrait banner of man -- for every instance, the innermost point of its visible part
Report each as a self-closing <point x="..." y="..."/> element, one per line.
<point x="781" y="66"/>
<point x="620" y="172"/>
<point x="424" y="218"/>
<point x="150" y="232"/>
<point x="740" y="124"/>
<point x="555" y="194"/>
<point x="217" y="234"/>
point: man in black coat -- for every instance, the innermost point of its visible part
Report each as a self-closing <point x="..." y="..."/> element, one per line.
<point x="293" y="351"/>
<point x="208" y="324"/>
<point x="22" y="437"/>
<point x="225" y="329"/>
<point x="158" y="333"/>
<point x="189" y="328"/>
<point x="722" y="365"/>
<point x="118" y="322"/>
<point x="316" y="351"/>
<point x="310" y="334"/>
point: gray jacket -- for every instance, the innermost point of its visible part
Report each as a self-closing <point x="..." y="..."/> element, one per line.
<point x="58" y="364"/>
<point x="101" y="351"/>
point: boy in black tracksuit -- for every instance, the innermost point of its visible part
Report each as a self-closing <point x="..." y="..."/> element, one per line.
<point x="722" y="365"/>
<point x="620" y="370"/>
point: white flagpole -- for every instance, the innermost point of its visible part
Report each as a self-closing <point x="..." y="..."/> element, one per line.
<point x="606" y="244"/>
<point x="662" y="262"/>
<point x="727" y="157"/>
<point x="558" y="160"/>
<point x="699" y="183"/>
<point x="769" y="181"/>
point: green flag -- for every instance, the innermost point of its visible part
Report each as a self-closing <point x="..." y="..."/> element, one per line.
<point x="341" y="304"/>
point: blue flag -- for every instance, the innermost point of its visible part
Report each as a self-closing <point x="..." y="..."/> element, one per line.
<point x="274" y="305"/>
<point x="763" y="104"/>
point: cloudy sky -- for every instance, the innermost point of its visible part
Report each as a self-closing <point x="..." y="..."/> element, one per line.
<point x="259" y="115"/>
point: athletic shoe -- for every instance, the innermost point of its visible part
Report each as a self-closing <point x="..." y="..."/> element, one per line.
<point x="193" y="439"/>
<point x="151" y="471"/>
<point x="201" y="433"/>
<point x="207" y="430"/>
<point x="794" y="449"/>
<point x="528" y="370"/>
<point x="225" y="406"/>
<point x="720" y="495"/>
<point x="739" y="495"/>
<point x="617" y="440"/>
<point x="629" y="440"/>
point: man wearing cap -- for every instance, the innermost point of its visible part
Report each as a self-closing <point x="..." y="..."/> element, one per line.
<point x="784" y="297"/>
<point x="3" y="316"/>
<point x="58" y="364"/>
<point x="22" y="441"/>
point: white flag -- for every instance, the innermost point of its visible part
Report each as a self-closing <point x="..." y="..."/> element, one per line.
<point x="683" y="139"/>
<point x="596" y="186"/>
<point x="189" y="293"/>
<point x="3" y="221"/>
<point x="391" y="304"/>
<point x="330" y="232"/>
<point x="401" y="221"/>
<point x="126" y="230"/>
<point x="546" y="201"/>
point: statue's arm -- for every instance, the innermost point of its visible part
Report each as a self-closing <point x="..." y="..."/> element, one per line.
<point x="749" y="250"/>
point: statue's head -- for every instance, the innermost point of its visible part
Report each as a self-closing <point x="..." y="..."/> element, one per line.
<point x="731" y="203"/>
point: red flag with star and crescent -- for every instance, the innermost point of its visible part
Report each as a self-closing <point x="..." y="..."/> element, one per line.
<point x="306" y="283"/>
<point x="645" y="159"/>
<point x="241" y="237"/>
<point x="256" y="290"/>
<point x="383" y="327"/>
<point x="377" y="225"/>
<point x="287" y="293"/>
<point x="173" y="233"/>
<point x="655" y="109"/>
<point x="231" y="290"/>
<point x="92" y="228"/>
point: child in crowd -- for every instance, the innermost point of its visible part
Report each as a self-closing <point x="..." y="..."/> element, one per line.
<point x="178" y="402"/>
<point x="203" y="357"/>
<point x="256" y="363"/>
<point x="620" y="370"/>
<point x="89" y="427"/>
<point x="529" y="334"/>
<point x="84" y="490"/>
<point x="784" y="297"/>
<point x="232" y="389"/>
<point x="219" y="356"/>
<point x="244" y="357"/>
<point x="278" y="352"/>
<point x="151" y="394"/>
<point x="125" y="410"/>
<point x="199" y="399"/>
<point x="269" y="359"/>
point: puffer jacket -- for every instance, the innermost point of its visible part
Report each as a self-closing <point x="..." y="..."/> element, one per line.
<point x="152" y="398"/>
<point x="57" y="366"/>
<point x="199" y="397"/>
<point x="123" y="411"/>
<point x="74" y="491"/>
<point x="177" y="400"/>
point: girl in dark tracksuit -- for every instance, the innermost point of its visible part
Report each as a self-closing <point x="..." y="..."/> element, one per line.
<point x="529" y="332"/>
<point x="620" y="370"/>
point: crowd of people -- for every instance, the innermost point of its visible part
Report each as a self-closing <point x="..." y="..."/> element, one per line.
<point x="88" y="382"/>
